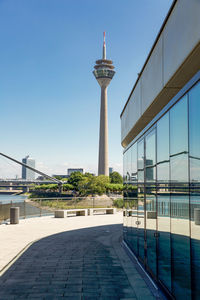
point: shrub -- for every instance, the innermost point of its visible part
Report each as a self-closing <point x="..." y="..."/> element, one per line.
<point x="119" y="203"/>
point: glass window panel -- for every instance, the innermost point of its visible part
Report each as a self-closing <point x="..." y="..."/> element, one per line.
<point x="194" y="141"/>
<point x="179" y="127"/>
<point x="151" y="149"/>
<point x="194" y="121"/>
<point x="163" y="138"/>
<point x="126" y="206"/>
<point x="179" y="168"/>
<point x="150" y="174"/>
<point x="141" y="222"/>
<point x="180" y="230"/>
<point x="151" y="216"/>
<point x="134" y="238"/>
<point x="164" y="240"/>
<point x="141" y="176"/>
<point x="195" y="239"/>
<point x="124" y="167"/>
<point x="140" y="163"/>
<point x="163" y="172"/>
<point x="180" y="242"/>
<point x="194" y="170"/>
<point x="128" y="222"/>
<point x="134" y="163"/>
<point x="150" y="160"/>
<point x="128" y="170"/>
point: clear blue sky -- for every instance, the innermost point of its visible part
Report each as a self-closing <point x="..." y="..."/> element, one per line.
<point x="50" y="100"/>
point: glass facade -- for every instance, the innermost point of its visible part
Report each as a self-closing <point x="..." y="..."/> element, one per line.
<point x="162" y="198"/>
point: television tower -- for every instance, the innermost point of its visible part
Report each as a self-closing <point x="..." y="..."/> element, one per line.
<point x="103" y="73"/>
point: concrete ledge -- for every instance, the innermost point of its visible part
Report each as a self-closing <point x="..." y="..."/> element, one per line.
<point x="77" y="212"/>
<point x="59" y="213"/>
<point x="62" y="213"/>
<point x="151" y="215"/>
<point x="108" y="211"/>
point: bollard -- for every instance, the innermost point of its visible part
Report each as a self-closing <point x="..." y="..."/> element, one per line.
<point x="197" y="216"/>
<point x="14" y="215"/>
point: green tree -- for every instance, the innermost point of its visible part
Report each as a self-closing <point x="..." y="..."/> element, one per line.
<point x="115" y="177"/>
<point x="97" y="184"/>
<point x="83" y="186"/>
<point x="75" y="178"/>
<point x="114" y="187"/>
<point x="64" y="179"/>
<point x="58" y="177"/>
<point x="87" y="174"/>
<point x="68" y="187"/>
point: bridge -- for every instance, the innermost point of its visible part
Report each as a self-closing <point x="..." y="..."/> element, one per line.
<point x="15" y="184"/>
<point x="59" y="182"/>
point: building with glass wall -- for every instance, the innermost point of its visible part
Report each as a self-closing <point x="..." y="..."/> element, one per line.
<point x="27" y="173"/>
<point x="161" y="140"/>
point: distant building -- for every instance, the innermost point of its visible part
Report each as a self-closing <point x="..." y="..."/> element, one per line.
<point x="70" y="171"/>
<point x="110" y="170"/>
<point x="27" y="173"/>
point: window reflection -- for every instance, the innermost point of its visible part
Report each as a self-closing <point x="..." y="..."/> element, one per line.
<point x="162" y="223"/>
<point x="179" y="127"/>
<point x="151" y="214"/>
<point x="179" y="168"/>
<point x="151" y="149"/>
<point x="128" y="169"/>
<point x="163" y="138"/>
<point x="150" y="157"/>
<point x="179" y="204"/>
<point x="194" y="122"/>
<point x="163" y="172"/>
<point x="140" y="161"/>
<point x="194" y="146"/>
<point x="163" y="202"/>
<point x="133" y="163"/>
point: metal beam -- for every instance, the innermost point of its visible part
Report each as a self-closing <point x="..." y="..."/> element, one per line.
<point x="33" y="169"/>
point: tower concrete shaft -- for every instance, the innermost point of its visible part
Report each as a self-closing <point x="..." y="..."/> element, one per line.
<point x="104" y="74"/>
<point x="103" y="135"/>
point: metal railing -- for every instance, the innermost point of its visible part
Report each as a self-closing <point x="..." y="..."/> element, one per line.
<point x="37" y="207"/>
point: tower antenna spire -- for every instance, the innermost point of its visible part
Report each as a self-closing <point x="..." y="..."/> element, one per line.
<point x="104" y="45"/>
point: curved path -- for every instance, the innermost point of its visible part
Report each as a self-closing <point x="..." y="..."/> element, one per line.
<point x="86" y="263"/>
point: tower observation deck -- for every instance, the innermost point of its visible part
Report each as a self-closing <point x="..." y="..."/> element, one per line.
<point x="103" y="72"/>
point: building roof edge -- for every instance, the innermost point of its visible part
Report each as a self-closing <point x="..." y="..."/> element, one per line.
<point x="152" y="48"/>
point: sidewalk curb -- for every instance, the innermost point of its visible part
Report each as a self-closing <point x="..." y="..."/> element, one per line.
<point x="12" y="261"/>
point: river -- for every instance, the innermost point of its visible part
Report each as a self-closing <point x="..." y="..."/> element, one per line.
<point x="14" y="198"/>
<point x="26" y="209"/>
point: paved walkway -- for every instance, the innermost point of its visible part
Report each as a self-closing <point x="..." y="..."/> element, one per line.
<point x="84" y="261"/>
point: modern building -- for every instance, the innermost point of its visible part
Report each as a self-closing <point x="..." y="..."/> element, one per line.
<point x="110" y="170"/>
<point x="103" y="73"/>
<point x="27" y="173"/>
<point x="69" y="171"/>
<point x="160" y="133"/>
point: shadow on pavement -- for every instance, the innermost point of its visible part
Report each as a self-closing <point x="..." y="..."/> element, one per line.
<point x="77" y="264"/>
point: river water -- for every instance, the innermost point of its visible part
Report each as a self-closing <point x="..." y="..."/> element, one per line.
<point x="26" y="209"/>
<point x="14" y="198"/>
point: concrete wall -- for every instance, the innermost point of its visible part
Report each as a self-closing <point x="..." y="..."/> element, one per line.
<point x="173" y="61"/>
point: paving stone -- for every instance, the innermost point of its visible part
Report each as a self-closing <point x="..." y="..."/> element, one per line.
<point x="72" y="294"/>
<point x="79" y="297"/>
<point x="80" y="264"/>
